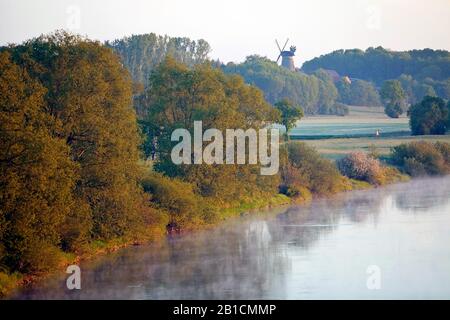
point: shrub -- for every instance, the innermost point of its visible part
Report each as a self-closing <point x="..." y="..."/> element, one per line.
<point x="393" y="110"/>
<point x="302" y="166"/>
<point x="184" y="207"/>
<point x="301" y="193"/>
<point x="8" y="282"/>
<point x="444" y="149"/>
<point x="420" y="158"/>
<point x="360" y="166"/>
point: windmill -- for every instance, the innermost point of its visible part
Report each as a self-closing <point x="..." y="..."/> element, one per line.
<point x="287" y="57"/>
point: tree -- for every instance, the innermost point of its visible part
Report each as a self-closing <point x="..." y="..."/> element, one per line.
<point x="37" y="176"/>
<point x="142" y="53"/>
<point x="177" y="96"/>
<point x="430" y="116"/>
<point x="290" y="114"/>
<point x="393" y="110"/>
<point x="301" y="166"/>
<point x="89" y="96"/>
<point x="393" y="98"/>
<point x="358" y="93"/>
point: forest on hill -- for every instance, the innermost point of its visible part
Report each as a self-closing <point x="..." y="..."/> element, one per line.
<point x="315" y="93"/>
<point x="379" y="64"/>
<point x="315" y="88"/>
<point x="421" y="72"/>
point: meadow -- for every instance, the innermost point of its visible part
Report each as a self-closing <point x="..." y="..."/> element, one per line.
<point x="335" y="136"/>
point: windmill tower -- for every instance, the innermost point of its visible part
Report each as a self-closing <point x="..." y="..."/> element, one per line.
<point x="287" y="57"/>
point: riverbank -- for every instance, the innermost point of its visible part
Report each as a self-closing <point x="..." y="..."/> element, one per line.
<point x="11" y="282"/>
<point x="317" y="250"/>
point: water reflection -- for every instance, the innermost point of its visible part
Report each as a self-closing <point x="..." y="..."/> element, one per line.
<point x="321" y="250"/>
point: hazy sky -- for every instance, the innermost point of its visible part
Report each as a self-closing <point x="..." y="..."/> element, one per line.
<point x="237" y="28"/>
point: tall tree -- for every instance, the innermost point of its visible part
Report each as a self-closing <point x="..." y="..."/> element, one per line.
<point x="430" y="116"/>
<point x="142" y="53"/>
<point x="89" y="94"/>
<point x="290" y="114"/>
<point x="393" y="98"/>
<point x="178" y="95"/>
<point x="37" y="176"/>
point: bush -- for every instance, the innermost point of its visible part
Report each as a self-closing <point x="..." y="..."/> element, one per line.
<point x="393" y="110"/>
<point x="302" y="166"/>
<point x="420" y="158"/>
<point x="337" y="108"/>
<point x="8" y="282"/>
<point x="444" y="149"/>
<point x="360" y="166"/>
<point x="294" y="190"/>
<point x="177" y="198"/>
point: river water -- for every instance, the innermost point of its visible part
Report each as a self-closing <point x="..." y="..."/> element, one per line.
<point x="385" y="243"/>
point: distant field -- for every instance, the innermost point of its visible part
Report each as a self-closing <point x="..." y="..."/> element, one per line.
<point x="337" y="148"/>
<point x="334" y="136"/>
<point x="361" y="122"/>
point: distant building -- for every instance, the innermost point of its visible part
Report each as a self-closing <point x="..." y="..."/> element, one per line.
<point x="287" y="56"/>
<point x="347" y="80"/>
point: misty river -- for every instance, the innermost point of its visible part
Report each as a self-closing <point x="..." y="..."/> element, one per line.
<point x="386" y="243"/>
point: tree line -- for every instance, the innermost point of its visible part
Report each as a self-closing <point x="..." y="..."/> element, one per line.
<point x="142" y="53"/>
<point x="421" y="72"/>
<point x="380" y="64"/>
<point x="73" y="157"/>
<point x="316" y="93"/>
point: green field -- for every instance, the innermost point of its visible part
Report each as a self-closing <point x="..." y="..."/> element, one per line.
<point x="361" y="122"/>
<point x="335" y="136"/>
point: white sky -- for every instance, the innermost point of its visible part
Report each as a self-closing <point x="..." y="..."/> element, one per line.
<point x="237" y="28"/>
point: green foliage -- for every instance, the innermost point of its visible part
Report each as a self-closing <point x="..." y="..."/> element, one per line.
<point x="142" y="53"/>
<point x="290" y="113"/>
<point x="177" y="96"/>
<point x="315" y="93"/>
<point x="358" y="93"/>
<point x="393" y="97"/>
<point x="302" y="167"/>
<point x="8" y="282"/>
<point x="421" y="72"/>
<point x="393" y="110"/>
<point x="184" y="207"/>
<point x="420" y="158"/>
<point x="338" y="109"/>
<point x="69" y="156"/>
<point x="36" y="173"/>
<point x="379" y="64"/>
<point x="430" y="116"/>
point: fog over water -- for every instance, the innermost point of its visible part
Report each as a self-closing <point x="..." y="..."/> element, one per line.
<point x="321" y="250"/>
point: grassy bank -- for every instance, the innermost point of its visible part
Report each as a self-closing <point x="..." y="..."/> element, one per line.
<point x="10" y="282"/>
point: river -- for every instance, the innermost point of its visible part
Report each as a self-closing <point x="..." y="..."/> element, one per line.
<point x="385" y="243"/>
